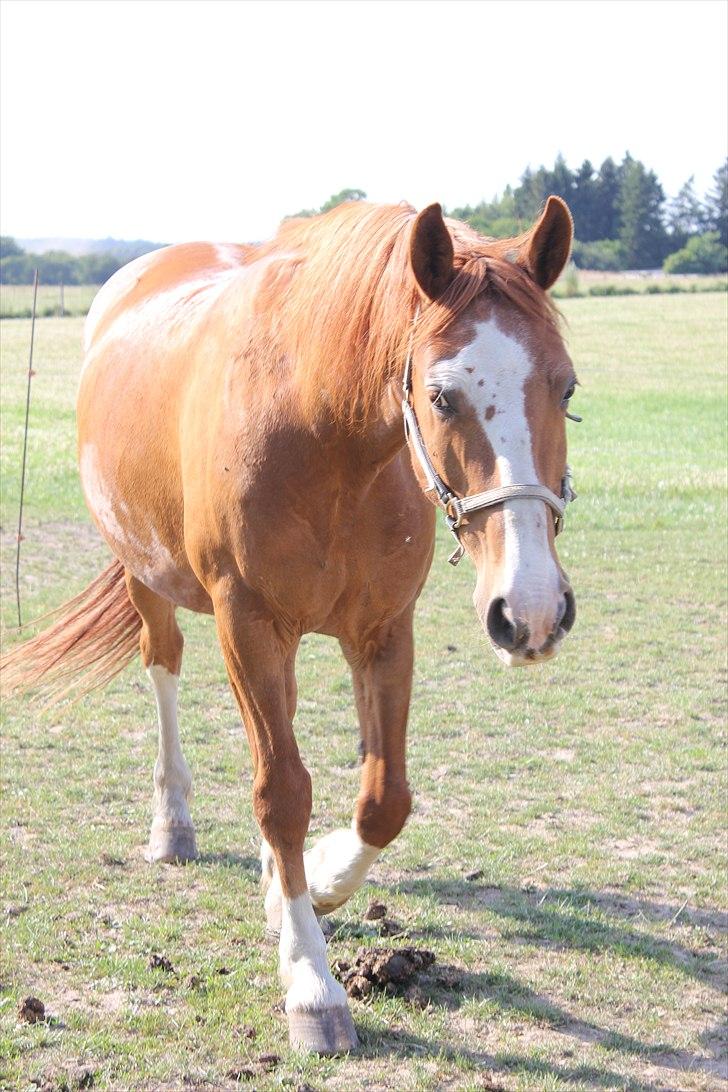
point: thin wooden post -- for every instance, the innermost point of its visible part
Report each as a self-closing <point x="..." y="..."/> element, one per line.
<point x="25" y="450"/>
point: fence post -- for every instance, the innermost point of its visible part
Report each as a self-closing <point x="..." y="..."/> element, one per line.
<point x="63" y="309"/>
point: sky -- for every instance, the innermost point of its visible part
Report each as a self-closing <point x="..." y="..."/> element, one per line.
<point x="173" y="120"/>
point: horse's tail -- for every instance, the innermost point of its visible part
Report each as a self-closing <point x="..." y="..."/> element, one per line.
<point x="93" y="637"/>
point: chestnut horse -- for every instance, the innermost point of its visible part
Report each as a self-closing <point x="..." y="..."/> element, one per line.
<point x="242" y="452"/>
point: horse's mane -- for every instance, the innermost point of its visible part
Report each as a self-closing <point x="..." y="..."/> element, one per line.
<point x="350" y="299"/>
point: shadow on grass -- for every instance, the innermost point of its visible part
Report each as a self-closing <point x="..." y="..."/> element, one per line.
<point x="231" y="860"/>
<point x="354" y="929"/>
<point x="558" y="918"/>
<point x="373" y="1045"/>
<point x="563" y="918"/>
<point x="514" y="998"/>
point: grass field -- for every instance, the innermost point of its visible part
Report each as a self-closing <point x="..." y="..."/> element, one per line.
<point x="16" y="300"/>
<point x="590" y="282"/>
<point x="589" y="793"/>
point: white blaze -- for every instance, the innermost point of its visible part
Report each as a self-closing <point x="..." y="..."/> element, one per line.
<point x="492" y="372"/>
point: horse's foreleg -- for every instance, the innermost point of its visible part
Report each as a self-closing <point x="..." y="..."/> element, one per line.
<point x="172" y="836"/>
<point x="337" y="865"/>
<point x="256" y="657"/>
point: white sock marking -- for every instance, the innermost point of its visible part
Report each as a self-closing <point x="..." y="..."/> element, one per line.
<point x="172" y="778"/>
<point x="303" y="964"/>
<point x="336" y="867"/>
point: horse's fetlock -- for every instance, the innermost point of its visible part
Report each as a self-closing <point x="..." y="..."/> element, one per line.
<point x="171" y="778"/>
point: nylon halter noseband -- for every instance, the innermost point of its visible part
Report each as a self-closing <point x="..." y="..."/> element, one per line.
<point x="457" y="508"/>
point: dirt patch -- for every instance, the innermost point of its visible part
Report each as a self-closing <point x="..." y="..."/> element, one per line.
<point x="114" y="1001"/>
<point x="389" y="970"/>
<point x="629" y="849"/>
<point x="266" y="1063"/>
<point x="62" y="1079"/>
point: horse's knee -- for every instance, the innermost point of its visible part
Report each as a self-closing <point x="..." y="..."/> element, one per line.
<point x="381" y="816"/>
<point x="282" y="804"/>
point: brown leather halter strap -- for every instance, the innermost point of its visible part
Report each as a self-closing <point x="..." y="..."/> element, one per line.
<point x="457" y="508"/>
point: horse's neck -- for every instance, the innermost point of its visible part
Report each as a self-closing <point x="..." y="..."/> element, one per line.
<point x="378" y="441"/>
<point x="384" y="435"/>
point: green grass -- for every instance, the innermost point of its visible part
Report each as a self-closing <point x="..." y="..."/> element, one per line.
<point x="590" y="792"/>
<point x="578" y="283"/>
<point x="16" y="300"/>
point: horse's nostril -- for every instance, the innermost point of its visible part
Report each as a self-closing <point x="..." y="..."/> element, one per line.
<point x="569" y="612"/>
<point x="503" y="631"/>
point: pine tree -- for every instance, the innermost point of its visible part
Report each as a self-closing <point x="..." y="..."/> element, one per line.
<point x="582" y="203"/>
<point x="607" y="201"/>
<point x="685" y="215"/>
<point x="716" y="204"/>
<point x="641" y="230"/>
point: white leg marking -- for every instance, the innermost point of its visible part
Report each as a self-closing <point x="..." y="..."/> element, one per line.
<point x="172" y="778"/>
<point x="336" y="867"/>
<point x="267" y="864"/>
<point x="303" y="964"/>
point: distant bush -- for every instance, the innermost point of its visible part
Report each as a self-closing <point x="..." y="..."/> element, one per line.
<point x="59" y="267"/>
<point x="612" y="290"/>
<point x="17" y="269"/>
<point x="701" y="254"/>
<point x="672" y="288"/>
<point x="570" y="281"/>
<point x="606" y="255"/>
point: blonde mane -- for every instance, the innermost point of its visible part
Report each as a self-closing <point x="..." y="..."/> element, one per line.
<point x="350" y="297"/>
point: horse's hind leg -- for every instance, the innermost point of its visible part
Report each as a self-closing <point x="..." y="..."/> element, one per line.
<point x="337" y="865"/>
<point x="172" y="836"/>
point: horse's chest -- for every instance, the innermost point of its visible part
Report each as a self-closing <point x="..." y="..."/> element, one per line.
<point x="374" y="557"/>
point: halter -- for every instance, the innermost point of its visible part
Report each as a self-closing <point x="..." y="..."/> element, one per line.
<point x="457" y="508"/>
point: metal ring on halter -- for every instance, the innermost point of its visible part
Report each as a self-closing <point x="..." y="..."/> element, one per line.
<point x="454" y="513"/>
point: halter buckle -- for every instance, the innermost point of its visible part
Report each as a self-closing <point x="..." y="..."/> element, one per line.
<point x="453" y="512"/>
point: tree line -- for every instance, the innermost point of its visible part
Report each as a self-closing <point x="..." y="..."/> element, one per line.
<point x="622" y="220"/>
<point x="58" y="267"/>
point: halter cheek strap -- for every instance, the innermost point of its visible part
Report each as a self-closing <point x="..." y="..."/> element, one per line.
<point x="458" y="508"/>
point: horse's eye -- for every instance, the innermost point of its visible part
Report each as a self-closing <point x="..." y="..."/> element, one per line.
<point x="440" y="402"/>
<point x="568" y="394"/>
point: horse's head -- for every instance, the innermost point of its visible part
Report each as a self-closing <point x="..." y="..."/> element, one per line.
<point x="490" y="387"/>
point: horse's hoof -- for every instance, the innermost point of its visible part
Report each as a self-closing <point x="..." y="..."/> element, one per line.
<point x="329" y="1031"/>
<point x="176" y="845"/>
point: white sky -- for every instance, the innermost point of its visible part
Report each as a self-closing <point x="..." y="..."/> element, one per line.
<point x="180" y="119"/>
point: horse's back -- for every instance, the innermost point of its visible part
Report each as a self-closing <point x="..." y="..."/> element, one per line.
<point x="169" y="275"/>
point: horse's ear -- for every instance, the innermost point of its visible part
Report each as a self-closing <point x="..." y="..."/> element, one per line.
<point x="547" y="251"/>
<point x="431" y="252"/>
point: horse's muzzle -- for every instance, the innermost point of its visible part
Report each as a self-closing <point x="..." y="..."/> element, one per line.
<point x="518" y="642"/>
